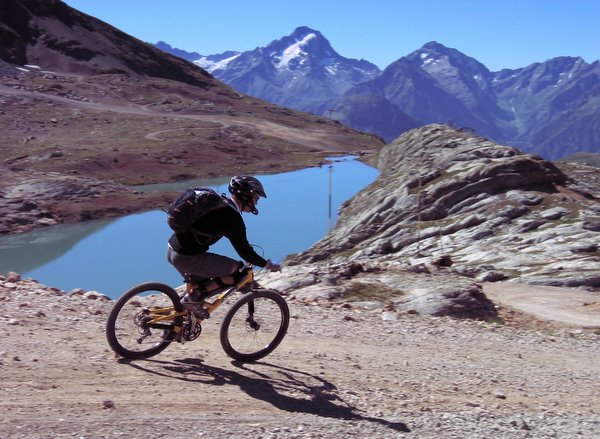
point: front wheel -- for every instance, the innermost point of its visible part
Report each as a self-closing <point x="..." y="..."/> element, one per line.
<point x="255" y="325"/>
<point x="144" y="320"/>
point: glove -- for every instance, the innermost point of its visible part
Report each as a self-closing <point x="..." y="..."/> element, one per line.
<point x="272" y="266"/>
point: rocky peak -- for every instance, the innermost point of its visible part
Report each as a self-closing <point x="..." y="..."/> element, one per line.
<point x="308" y="50"/>
<point x="295" y="52"/>
<point x="436" y="58"/>
<point x="461" y="76"/>
<point x="549" y="77"/>
<point x="300" y="71"/>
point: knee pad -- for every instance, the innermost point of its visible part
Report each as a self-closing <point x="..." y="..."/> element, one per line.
<point x="240" y="272"/>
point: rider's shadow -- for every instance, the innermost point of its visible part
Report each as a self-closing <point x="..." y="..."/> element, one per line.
<point x="315" y="395"/>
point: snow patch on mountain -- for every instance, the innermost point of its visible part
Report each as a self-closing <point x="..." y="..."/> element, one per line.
<point x="293" y="52"/>
<point x="211" y="65"/>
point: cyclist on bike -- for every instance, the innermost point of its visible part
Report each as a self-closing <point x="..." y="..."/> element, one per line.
<point x="213" y="271"/>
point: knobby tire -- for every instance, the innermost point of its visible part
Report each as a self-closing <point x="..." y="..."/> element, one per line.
<point x="250" y="340"/>
<point x="123" y="330"/>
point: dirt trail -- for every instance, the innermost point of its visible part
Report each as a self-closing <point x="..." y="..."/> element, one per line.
<point x="340" y="372"/>
<point x="313" y="138"/>
<point x="564" y="305"/>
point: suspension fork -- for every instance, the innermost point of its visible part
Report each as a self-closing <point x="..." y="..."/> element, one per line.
<point x="250" y="316"/>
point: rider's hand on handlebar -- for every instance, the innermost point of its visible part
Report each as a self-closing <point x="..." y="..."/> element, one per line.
<point x="272" y="266"/>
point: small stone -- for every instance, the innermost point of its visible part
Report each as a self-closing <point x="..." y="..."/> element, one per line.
<point x="525" y="426"/>
<point x="491" y="276"/>
<point x="443" y="261"/>
<point x="91" y="295"/>
<point x="388" y="316"/>
<point x="47" y="222"/>
<point x="589" y="247"/>
<point x="108" y="404"/>
<point x="13" y="322"/>
<point x="329" y="281"/>
<point x="13" y="277"/>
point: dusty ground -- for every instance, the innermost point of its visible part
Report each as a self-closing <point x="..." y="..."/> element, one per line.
<point x="340" y="372"/>
<point x="568" y="306"/>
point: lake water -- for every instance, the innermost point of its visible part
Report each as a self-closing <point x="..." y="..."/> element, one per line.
<point x="111" y="256"/>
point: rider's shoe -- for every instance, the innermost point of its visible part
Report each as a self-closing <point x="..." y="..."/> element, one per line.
<point x="177" y="337"/>
<point x="195" y="307"/>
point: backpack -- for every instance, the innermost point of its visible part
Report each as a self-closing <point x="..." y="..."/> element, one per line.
<point x="192" y="205"/>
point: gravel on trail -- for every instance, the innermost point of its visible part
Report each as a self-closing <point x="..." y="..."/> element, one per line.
<point x="342" y="371"/>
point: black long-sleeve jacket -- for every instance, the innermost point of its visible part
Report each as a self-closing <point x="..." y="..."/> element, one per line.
<point x="224" y="222"/>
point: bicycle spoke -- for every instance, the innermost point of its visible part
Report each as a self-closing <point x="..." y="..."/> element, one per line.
<point x="254" y="326"/>
<point x="142" y="321"/>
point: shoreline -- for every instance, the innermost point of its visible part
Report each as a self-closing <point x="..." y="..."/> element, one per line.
<point x="71" y="199"/>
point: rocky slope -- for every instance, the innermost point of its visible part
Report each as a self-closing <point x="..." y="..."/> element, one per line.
<point x="450" y="203"/>
<point x="51" y="34"/>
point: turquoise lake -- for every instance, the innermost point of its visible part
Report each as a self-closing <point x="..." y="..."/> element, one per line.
<point x="111" y="256"/>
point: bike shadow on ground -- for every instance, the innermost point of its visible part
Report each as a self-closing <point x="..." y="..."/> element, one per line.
<point x="290" y="390"/>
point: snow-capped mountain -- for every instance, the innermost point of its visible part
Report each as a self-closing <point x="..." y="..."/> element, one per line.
<point x="438" y="84"/>
<point x="550" y="108"/>
<point x="300" y="71"/>
<point x="467" y="80"/>
<point x="219" y="62"/>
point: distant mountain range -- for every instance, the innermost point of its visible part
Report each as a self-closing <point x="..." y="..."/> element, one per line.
<point x="300" y="71"/>
<point x="550" y="108"/>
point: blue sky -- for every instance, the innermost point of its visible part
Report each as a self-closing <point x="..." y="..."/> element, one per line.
<point x="500" y="34"/>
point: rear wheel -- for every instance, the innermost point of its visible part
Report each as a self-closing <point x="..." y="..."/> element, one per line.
<point x="255" y="325"/>
<point x="143" y="320"/>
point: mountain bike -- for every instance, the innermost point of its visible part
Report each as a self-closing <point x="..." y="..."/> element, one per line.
<point x="147" y="318"/>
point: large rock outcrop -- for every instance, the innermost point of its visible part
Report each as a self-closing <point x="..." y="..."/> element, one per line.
<point x="494" y="212"/>
<point x="448" y="212"/>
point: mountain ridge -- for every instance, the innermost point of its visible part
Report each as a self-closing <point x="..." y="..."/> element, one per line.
<point x="548" y="108"/>
<point x="300" y="71"/>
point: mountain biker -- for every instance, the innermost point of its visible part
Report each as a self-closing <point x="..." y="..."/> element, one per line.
<point x="213" y="271"/>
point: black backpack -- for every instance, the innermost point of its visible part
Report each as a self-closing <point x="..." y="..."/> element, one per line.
<point x="192" y="205"/>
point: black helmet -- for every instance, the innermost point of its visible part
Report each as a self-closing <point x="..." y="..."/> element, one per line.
<point x="246" y="188"/>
